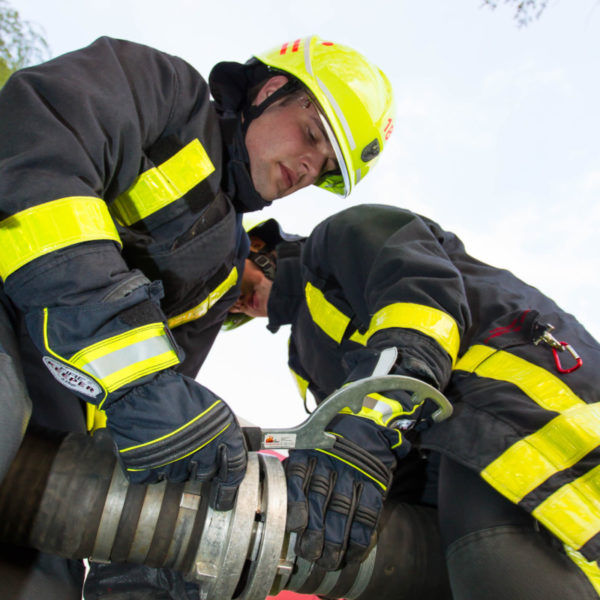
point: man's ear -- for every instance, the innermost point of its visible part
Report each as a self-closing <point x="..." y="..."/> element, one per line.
<point x="256" y="244"/>
<point x="271" y="85"/>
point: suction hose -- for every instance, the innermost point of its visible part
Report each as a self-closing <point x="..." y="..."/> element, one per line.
<point x="66" y="495"/>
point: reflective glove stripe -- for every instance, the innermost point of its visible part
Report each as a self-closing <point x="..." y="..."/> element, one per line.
<point x="48" y="227"/>
<point x="572" y="512"/>
<point x="124" y="358"/>
<point x="382" y="410"/>
<point x="201" y="309"/>
<point x="430" y="321"/>
<point x="355" y="456"/>
<point x="160" y="186"/>
<point x="181" y="442"/>
<point x="95" y="418"/>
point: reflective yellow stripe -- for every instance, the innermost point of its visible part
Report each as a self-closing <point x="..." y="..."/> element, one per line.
<point x="95" y="418"/>
<point x="51" y="226"/>
<point x="185" y="455"/>
<point x="175" y="431"/>
<point x="157" y="187"/>
<point x="573" y="511"/>
<point x="381" y="485"/>
<point x="380" y="409"/>
<point x="557" y="446"/>
<point x="590" y="569"/>
<point x="540" y="385"/>
<point x="121" y="359"/>
<point x="301" y="383"/>
<point x="331" y="320"/>
<point x="201" y="309"/>
<point x="430" y="321"/>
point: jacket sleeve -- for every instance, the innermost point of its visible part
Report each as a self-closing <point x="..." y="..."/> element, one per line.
<point x="75" y="133"/>
<point x="401" y="288"/>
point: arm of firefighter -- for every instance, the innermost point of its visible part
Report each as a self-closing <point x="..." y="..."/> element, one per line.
<point x="403" y="291"/>
<point x="75" y="138"/>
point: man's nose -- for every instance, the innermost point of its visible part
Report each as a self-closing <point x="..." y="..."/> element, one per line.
<point x="312" y="161"/>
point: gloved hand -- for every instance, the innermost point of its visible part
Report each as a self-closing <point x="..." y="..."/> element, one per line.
<point x="172" y="428"/>
<point x="335" y="496"/>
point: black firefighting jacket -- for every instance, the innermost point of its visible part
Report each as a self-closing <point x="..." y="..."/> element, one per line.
<point x="116" y="171"/>
<point x="375" y="276"/>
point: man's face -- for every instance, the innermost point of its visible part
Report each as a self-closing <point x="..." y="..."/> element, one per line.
<point x="287" y="144"/>
<point x="255" y="291"/>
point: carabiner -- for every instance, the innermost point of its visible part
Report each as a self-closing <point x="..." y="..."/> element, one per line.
<point x="564" y="346"/>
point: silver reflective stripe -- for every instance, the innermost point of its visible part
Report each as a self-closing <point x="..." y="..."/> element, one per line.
<point x="103" y="367"/>
<point x="339" y="156"/>
<point x="385" y="410"/>
<point x="307" y="62"/>
<point x="339" y="114"/>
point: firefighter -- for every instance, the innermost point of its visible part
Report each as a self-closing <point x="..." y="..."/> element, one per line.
<point x="122" y="186"/>
<point x="517" y="490"/>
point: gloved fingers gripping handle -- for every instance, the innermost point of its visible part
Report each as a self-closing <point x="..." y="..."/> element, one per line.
<point x="334" y="505"/>
<point x="188" y="439"/>
<point x="232" y="467"/>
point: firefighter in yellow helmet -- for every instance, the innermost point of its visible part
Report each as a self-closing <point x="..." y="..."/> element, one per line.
<point x="123" y="179"/>
<point x="354" y="100"/>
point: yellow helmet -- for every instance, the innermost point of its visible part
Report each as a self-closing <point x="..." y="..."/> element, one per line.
<point x="355" y="97"/>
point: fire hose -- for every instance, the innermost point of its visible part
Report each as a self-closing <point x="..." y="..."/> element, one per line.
<point x="66" y="494"/>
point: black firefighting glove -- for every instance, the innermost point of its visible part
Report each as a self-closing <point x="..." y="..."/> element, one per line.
<point x="335" y="496"/>
<point x="172" y="428"/>
<point x="115" y="352"/>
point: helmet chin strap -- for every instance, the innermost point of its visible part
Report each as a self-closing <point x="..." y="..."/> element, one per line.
<point x="253" y="111"/>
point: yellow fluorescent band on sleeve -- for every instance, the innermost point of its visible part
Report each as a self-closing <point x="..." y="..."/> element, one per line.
<point x="158" y="187"/>
<point x="331" y="320"/>
<point x="51" y="226"/>
<point x="201" y="309"/>
<point x="301" y="383"/>
<point x="432" y="322"/>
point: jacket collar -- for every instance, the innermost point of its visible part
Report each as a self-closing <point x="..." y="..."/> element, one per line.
<point x="286" y="294"/>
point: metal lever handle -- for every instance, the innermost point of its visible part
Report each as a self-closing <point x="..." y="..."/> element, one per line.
<point x="311" y="433"/>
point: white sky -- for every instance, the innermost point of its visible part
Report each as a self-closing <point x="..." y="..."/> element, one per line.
<point x="497" y="136"/>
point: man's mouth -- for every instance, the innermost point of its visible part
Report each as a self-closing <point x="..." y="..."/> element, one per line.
<point x="288" y="176"/>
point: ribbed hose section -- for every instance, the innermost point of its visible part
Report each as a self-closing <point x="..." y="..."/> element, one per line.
<point x="67" y="495"/>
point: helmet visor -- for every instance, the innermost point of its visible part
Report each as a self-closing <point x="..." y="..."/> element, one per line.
<point x="333" y="181"/>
